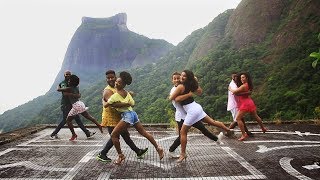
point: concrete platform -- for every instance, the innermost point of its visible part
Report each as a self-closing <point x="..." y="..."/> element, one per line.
<point x="287" y="151"/>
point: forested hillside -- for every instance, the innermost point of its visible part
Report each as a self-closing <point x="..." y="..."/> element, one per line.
<point x="271" y="40"/>
<point x="286" y="86"/>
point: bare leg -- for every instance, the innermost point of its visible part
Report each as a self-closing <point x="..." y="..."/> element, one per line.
<point x="115" y="139"/>
<point x="258" y="119"/>
<point x="183" y="139"/>
<point x="147" y="135"/>
<point x="233" y="125"/>
<point x="70" y="125"/>
<point x="212" y="122"/>
<point x="241" y="125"/>
<point x="92" y="119"/>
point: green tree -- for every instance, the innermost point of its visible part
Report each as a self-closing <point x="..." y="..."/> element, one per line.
<point x="315" y="55"/>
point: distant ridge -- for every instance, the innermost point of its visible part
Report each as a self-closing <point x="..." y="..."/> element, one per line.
<point x="106" y="43"/>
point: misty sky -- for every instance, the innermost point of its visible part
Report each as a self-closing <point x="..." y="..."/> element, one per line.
<point x="35" y="34"/>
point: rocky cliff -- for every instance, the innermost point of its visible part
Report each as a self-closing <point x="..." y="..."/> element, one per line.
<point x="100" y="44"/>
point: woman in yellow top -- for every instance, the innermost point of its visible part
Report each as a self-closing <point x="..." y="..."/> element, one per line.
<point x="110" y="118"/>
<point x="122" y="101"/>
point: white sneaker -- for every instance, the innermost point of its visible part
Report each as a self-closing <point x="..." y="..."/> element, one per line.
<point x="54" y="137"/>
<point x="173" y="155"/>
<point x="220" y="136"/>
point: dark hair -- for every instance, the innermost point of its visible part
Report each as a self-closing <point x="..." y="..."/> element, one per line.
<point x="249" y="80"/>
<point x="110" y="72"/>
<point x="175" y="73"/>
<point x="74" y="80"/>
<point x="191" y="83"/>
<point x="126" y="77"/>
<point x="238" y="80"/>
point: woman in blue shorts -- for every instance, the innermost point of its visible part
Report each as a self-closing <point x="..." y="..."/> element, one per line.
<point x="122" y="101"/>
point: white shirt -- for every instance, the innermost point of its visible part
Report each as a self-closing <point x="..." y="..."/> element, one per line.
<point x="232" y="99"/>
<point x="180" y="112"/>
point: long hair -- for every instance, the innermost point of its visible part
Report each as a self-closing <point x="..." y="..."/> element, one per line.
<point x="238" y="80"/>
<point x="191" y="83"/>
<point x="249" y="80"/>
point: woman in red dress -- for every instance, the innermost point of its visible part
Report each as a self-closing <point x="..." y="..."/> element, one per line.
<point x="246" y="104"/>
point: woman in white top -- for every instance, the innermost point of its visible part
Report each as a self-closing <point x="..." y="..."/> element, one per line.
<point x="195" y="113"/>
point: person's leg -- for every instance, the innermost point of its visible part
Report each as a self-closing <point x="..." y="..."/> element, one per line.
<point x="234" y="121"/>
<point x="233" y="125"/>
<point x="212" y="122"/>
<point x="126" y="137"/>
<point x="89" y="117"/>
<point x="70" y="126"/>
<point x="183" y="140"/>
<point x="246" y="129"/>
<point x="115" y="139"/>
<point x="240" y="121"/>
<point x="176" y="142"/>
<point x="109" y="143"/>
<point x="199" y="125"/>
<point x="103" y="154"/>
<point x="81" y="126"/>
<point x="65" y="110"/>
<point x="147" y="135"/>
<point x="258" y="119"/>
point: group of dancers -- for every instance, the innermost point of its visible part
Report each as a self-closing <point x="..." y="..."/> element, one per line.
<point x="118" y="114"/>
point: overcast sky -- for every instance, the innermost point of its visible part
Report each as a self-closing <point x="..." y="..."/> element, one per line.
<point x="34" y="34"/>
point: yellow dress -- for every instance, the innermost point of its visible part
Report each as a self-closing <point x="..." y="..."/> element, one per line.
<point x="110" y="116"/>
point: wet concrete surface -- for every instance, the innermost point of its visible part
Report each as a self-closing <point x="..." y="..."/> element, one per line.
<point x="286" y="151"/>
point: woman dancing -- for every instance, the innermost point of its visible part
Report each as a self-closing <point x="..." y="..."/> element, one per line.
<point x="123" y="102"/>
<point x="246" y="105"/>
<point x="195" y="113"/>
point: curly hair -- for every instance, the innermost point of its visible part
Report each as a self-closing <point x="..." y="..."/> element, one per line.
<point x="74" y="80"/>
<point x="126" y="77"/>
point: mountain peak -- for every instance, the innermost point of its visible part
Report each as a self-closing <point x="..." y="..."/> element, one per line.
<point x="119" y="20"/>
